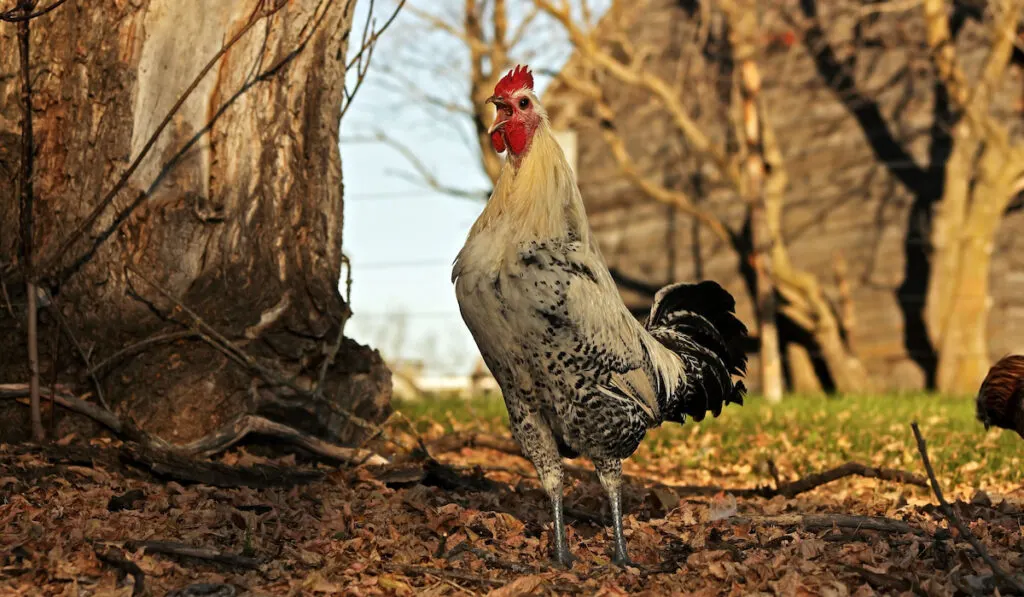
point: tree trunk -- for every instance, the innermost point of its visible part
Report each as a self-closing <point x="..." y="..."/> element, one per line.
<point x="803" y="378"/>
<point x="805" y="302"/>
<point x="236" y="211"/>
<point x="743" y="32"/>
<point x="966" y="224"/>
<point x="767" y="309"/>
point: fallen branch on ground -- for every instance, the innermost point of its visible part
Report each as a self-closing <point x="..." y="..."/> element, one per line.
<point x="849" y="469"/>
<point x="115" y="557"/>
<point x="950" y="514"/>
<point x="172" y="548"/>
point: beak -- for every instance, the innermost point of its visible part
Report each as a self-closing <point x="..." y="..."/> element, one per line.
<point x="500" y="104"/>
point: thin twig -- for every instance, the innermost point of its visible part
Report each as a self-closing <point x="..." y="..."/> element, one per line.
<point x="55" y="369"/>
<point x="259" y="13"/>
<point x="364" y="56"/>
<point x="489" y="558"/>
<point x="456" y="441"/>
<point x="16" y="16"/>
<point x="140" y="346"/>
<point x="33" y="362"/>
<point x="55" y="310"/>
<point x="38" y="434"/>
<point x="7" y="298"/>
<point x="828" y="521"/>
<point x="105" y="417"/>
<point x="951" y="515"/>
<point x="219" y="341"/>
<point x="886" y="582"/>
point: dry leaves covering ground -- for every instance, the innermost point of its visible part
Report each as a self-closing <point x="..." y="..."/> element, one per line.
<point x="482" y="526"/>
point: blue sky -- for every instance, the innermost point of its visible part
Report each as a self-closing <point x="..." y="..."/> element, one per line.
<point x="400" y="236"/>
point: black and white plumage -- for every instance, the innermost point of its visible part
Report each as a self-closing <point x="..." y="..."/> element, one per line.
<point x="579" y="374"/>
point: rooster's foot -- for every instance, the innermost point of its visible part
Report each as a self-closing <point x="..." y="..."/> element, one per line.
<point x="564" y="559"/>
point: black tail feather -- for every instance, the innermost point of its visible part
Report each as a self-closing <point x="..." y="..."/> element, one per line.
<point x="698" y="322"/>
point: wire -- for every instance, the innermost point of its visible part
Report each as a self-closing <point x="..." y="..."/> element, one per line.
<point x="402" y="264"/>
<point x="406" y="315"/>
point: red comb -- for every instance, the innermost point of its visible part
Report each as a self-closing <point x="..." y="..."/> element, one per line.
<point x="518" y="78"/>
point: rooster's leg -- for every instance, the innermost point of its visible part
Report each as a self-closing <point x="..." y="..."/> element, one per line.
<point x="610" y="472"/>
<point x="539" y="445"/>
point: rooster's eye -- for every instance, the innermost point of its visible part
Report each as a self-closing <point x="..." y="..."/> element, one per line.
<point x="524" y="103"/>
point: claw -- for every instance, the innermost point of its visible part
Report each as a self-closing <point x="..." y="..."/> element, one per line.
<point x="564" y="558"/>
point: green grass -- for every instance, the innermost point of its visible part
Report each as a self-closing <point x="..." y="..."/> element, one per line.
<point x="803" y="434"/>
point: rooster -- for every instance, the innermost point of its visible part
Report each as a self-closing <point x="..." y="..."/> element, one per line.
<point x="1000" y="400"/>
<point x="579" y="374"/>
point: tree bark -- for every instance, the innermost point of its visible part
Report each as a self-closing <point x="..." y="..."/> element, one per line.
<point x="236" y="211"/>
<point x="966" y="224"/>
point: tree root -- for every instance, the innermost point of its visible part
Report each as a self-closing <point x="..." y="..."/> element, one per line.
<point x="241" y="426"/>
<point x="178" y="462"/>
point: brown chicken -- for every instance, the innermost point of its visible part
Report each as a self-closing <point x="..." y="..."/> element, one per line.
<point x="1001" y="397"/>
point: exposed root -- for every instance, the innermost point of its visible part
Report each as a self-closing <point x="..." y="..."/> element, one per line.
<point x="241" y="426"/>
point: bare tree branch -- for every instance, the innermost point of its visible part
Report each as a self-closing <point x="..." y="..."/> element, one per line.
<point x="423" y="174"/>
<point x="629" y="168"/>
<point x="631" y="74"/>
<point x="974" y="101"/>
<point x="364" y="56"/>
<point x="19" y="15"/>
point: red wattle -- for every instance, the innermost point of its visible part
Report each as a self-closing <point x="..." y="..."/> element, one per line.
<point x="497" y="141"/>
<point x="517" y="137"/>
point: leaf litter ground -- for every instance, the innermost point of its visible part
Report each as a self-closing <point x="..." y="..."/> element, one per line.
<point x="475" y="521"/>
